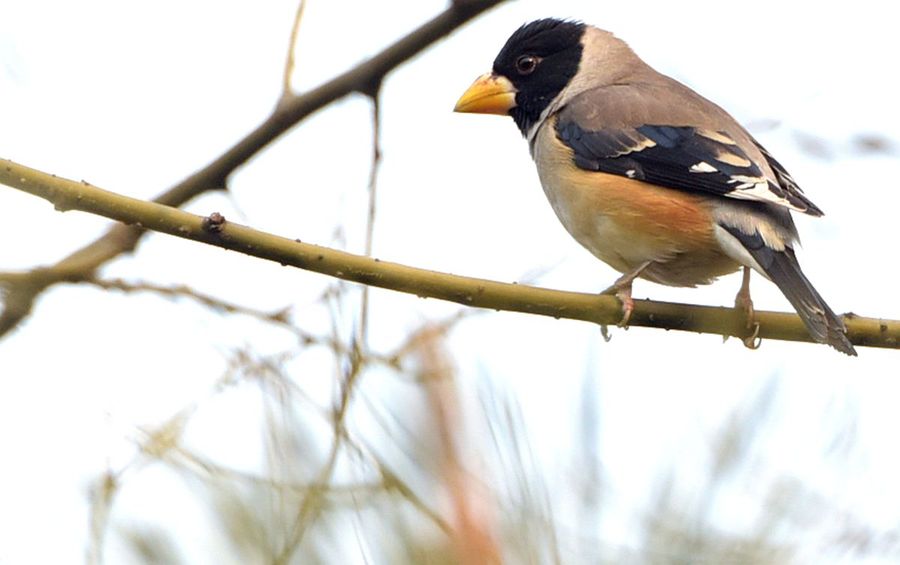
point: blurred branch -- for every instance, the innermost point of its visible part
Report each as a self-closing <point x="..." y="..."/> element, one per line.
<point x="473" y="536"/>
<point x="278" y="317"/>
<point x="370" y="216"/>
<point x="292" y="45"/>
<point x="312" y="504"/>
<point x="214" y="230"/>
<point x="22" y="290"/>
<point x="102" y="494"/>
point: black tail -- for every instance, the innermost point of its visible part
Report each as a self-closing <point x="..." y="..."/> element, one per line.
<point x="784" y="270"/>
<point x="822" y="323"/>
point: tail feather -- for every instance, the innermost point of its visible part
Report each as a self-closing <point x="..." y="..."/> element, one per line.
<point x="784" y="270"/>
<point x="823" y="324"/>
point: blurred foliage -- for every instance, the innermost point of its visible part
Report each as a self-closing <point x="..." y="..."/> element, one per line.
<point x="419" y="477"/>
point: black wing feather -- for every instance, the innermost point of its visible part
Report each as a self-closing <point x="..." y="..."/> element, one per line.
<point x="683" y="158"/>
<point x="786" y="182"/>
<point x="664" y="155"/>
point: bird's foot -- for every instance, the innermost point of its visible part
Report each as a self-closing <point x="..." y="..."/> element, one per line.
<point x="744" y="304"/>
<point x="621" y="289"/>
<point x="624" y="296"/>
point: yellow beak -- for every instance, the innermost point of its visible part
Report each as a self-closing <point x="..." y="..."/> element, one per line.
<point x="489" y="94"/>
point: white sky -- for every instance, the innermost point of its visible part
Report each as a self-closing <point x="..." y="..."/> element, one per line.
<point x="134" y="97"/>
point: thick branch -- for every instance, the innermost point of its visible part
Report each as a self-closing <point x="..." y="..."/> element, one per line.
<point x="213" y="230"/>
<point x="290" y="110"/>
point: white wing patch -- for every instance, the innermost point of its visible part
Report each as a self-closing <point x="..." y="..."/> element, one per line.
<point x="754" y="191"/>
<point x="748" y="182"/>
<point x="755" y="188"/>
<point x="760" y="192"/>
<point x="703" y="167"/>
<point x="746" y="187"/>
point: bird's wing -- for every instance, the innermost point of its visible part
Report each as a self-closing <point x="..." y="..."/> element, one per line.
<point x="677" y="139"/>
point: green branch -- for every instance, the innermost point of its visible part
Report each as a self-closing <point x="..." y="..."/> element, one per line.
<point x="215" y="230"/>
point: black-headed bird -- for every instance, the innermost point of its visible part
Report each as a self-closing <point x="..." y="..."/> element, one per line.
<point x="649" y="176"/>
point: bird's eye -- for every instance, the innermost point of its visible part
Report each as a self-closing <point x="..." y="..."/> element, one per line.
<point x="526" y="64"/>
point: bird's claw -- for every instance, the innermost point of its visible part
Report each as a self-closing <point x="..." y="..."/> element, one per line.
<point x="604" y="331"/>
<point x="753" y="341"/>
<point x="627" y="308"/>
<point x="623" y="293"/>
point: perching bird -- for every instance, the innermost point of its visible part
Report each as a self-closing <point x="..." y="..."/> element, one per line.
<point x="649" y="176"/>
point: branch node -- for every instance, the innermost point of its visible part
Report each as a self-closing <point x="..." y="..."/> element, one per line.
<point x="214" y="223"/>
<point x="371" y="88"/>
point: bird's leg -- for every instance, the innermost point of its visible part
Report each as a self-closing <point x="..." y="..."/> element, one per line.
<point x="744" y="303"/>
<point x="621" y="289"/>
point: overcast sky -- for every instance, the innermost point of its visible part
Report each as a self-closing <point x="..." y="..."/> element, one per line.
<point x="134" y="97"/>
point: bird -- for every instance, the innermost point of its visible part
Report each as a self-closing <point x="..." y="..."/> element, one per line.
<point x="649" y="176"/>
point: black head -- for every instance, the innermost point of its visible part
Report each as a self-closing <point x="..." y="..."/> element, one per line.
<point x="540" y="59"/>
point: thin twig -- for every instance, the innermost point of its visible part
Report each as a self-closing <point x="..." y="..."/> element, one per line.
<point x="370" y="217"/>
<point x="278" y="317"/>
<point x="291" y="54"/>
<point x="311" y="505"/>
<point x="312" y="502"/>
<point x="105" y="490"/>
<point x="392" y="482"/>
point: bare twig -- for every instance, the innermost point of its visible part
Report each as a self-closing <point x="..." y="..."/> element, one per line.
<point x="312" y="503"/>
<point x="292" y="46"/>
<point x="104" y="491"/>
<point x="278" y="317"/>
<point x="601" y="309"/>
<point x="393" y="483"/>
<point x="370" y="217"/>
